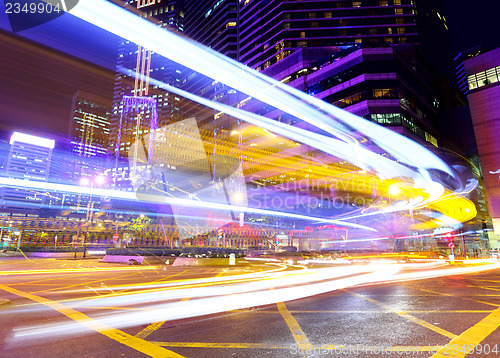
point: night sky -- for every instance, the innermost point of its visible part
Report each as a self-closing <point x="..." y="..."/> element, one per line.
<point x="473" y="22"/>
<point x="38" y="82"/>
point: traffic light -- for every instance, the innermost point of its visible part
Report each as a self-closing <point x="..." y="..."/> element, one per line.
<point x="219" y="234"/>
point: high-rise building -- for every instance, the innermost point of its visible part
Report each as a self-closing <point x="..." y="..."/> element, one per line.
<point x="29" y="159"/>
<point x="214" y="24"/>
<point x="483" y="79"/>
<point x="135" y="66"/>
<point x="272" y="30"/>
<point x="89" y="131"/>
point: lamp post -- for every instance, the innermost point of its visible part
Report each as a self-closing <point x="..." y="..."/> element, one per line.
<point x="85" y="181"/>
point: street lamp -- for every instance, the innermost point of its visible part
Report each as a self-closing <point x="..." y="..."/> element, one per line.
<point x="85" y="181"/>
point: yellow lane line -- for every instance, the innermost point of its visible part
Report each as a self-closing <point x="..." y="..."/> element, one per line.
<point x="341" y="349"/>
<point x="461" y="297"/>
<point x="407" y="316"/>
<point x="116" y="308"/>
<point x="155" y="325"/>
<point x="466" y="342"/>
<point x="297" y="333"/>
<point x="83" y="270"/>
<point x="138" y="344"/>
<point x="411" y="311"/>
<point x="44" y="279"/>
<point x="219" y="345"/>
<point x="366" y="311"/>
<point x="87" y="283"/>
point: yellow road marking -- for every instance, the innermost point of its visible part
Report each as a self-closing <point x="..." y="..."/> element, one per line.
<point x="316" y="348"/>
<point x="138" y="344"/>
<point x="219" y="345"/>
<point x="73" y="270"/>
<point x="297" y="333"/>
<point x="461" y="297"/>
<point x="407" y="316"/>
<point x="154" y="326"/>
<point x="471" y="337"/>
<point x="410" y="311"/>
<point x="45" y="279"/>
<point x="86" y="283"/>
<point x="366" y="311"/>
<point x="116" y="308"/>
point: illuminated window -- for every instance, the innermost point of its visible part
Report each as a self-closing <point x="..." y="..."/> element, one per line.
<point x="314" y="24"/>
<point x="386" y="118"/>
<point x="312" y="15"/>
<point x="397" y="2"/>
<point x="401" y="30"/>
<point x="230" y="24"/>
<point x="484" y="78"/>
<point x="328" y="14"/>
<point x="302" y="34"/>
<point x="356" y="4"/>
<point x="383" y="3"/>
<point x="398" y="11"/>
<point x="431" y="139"/>
<point x="383" y="93"/>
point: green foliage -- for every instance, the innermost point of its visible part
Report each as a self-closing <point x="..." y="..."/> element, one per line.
<point x="138" y="225"/>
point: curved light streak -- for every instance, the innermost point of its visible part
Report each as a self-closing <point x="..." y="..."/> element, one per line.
<point x="167" y="200"/>
<point x="312" y="110"/>
<point x="287" y="286"/>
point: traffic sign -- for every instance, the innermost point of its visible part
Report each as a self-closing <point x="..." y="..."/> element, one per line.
<point x="115" y="237"/>
<point x="451" y="245"/>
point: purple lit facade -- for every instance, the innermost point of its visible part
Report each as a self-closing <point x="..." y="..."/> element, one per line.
<point x="483" y="77"/>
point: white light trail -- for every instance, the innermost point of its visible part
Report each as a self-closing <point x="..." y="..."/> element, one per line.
<point x="318" y="113"/>
<point x="286" y="286"/>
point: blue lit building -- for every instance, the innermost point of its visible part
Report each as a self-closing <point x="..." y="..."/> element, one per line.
<point x="29" y="159"/>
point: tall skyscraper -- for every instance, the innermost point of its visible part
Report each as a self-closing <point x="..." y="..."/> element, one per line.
<point x="214" y="24"/>
<point x="364" y="56"/>
<point x="89" y="131"/>
<point x="135" y="66"/>
<point x="483" y="78"/>
<point x="272" y="30"/>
